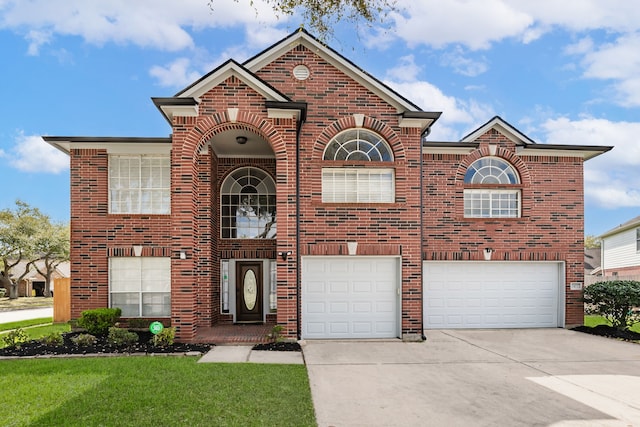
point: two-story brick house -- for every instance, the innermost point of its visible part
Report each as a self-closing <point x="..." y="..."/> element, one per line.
<point x="379" y="232"/>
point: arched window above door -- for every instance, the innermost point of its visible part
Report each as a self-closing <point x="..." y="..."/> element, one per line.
<point x="248" y="205"/>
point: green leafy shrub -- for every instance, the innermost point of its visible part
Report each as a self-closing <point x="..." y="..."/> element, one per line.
<point x="15" y="338"/>
<point x="53" y="339"/>
<point x="99" y="320"/>
<point x="276" y="333"/>
<point x="164" y="338"/>
<point x="84" y="340"/>
<point x="121" y="337"/>
<point x="614" y="300"/>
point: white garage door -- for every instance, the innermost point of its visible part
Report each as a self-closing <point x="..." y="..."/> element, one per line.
<point x="492" y="294"/>
<point x="349" y="297"/>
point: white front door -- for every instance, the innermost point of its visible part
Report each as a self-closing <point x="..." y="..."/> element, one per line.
<point x="350" y="297"/>
<point x="490" y="294"/>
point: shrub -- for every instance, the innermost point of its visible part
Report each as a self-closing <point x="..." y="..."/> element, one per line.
<point x="15" y="338"/>
<point x="121" y="337"/>
<point x="276" y="333"/>
<point x="615" y="301"/>
<point x="164" y="338"/>
<point x="99" y="320"/>
<point x="53" y="339"/>
<point x="84" y="340"/>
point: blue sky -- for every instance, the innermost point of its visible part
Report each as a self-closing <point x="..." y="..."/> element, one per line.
<point x="561" y="72"/>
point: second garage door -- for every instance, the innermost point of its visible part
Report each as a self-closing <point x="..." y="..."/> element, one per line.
<point x="492" y="294"/>
<point x="350" y="297"/>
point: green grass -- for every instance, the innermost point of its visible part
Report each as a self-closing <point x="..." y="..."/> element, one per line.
<point x="35" y="332"/>
<point x="25" y="323"/>
<point x="599" y="320"/>
<point x="153" y="391"/>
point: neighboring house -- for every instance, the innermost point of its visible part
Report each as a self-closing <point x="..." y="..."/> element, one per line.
<point x="620" y="248"/>
<point x="33" y="283"/>
<point x="592" y="266"/>
<point x="379" y="232"/>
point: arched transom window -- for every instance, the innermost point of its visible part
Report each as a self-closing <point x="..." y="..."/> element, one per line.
<point x="358" y="144"/>
<point x="489" y="189"/>
<point x="372" y="182"/>
<point x="248" y="205"/>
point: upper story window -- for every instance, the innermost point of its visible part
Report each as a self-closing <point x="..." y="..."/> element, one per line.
<point x="139" y="184"/>
<point x="347" y="184"/>
<point x="358" y="144"/>
<point x="248" y="203"/>
<point x="637" y="239"/>
<point x="490" y="192"/>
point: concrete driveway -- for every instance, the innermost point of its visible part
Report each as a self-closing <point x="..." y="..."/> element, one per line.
<point x="535" y="377"/>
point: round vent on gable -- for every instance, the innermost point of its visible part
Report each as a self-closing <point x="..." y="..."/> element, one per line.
<point x="301" y="72"/>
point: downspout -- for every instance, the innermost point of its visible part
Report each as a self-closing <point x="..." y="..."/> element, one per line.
<point x="303" y="116"/>
<point x="424" y="134"/>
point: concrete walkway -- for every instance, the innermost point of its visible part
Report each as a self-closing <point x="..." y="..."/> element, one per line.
<point x="244" y="353"/>
<point x="535" y="377"/>
<point x="30" y="313"/>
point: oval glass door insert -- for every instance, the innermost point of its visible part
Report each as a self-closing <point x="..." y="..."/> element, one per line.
<point x="250" y="290"/>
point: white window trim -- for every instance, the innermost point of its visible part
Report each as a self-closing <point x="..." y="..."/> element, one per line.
<point x="491" y="192"/>
<point x="139" y="210"/>
<point x="362" y="188"/>
<point x="140" y="291"/>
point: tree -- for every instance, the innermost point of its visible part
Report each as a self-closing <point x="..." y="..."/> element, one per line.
<point x="591" y="241"/>
<point x="52" y="248"/>
<point x="18" y="230"/>
<point x="320" y="15"/>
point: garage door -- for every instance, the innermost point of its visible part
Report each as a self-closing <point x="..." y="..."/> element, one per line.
<point x="492" y="294"/>
<point x="349" y="297"/>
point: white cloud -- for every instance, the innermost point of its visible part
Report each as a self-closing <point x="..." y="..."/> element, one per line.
<point x="160" y="24"/>
<point x="175" y="74"/>
<point x="31" y="154"/>
<point x="463" y="65"/>
<point x="474" y="24"/>
<point x="407" y="70"/>
<point x="611" y="179"/>
<point x="457" y="113"/>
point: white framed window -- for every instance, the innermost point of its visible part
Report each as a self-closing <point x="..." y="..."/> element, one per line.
<point x="358" y="144"/>
<point x="248" y="205"/>
<point x="140" y="286"/>
<point x="481" y="203"/>
<point x="637" y="239"/>
<point x="139" y="184"/>
<point x="490" y="195"/>
<point x="358" y="185"/>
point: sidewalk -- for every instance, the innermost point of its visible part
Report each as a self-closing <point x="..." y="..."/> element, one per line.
<point x="244" y="353"/>
<point x="31" y="313"/>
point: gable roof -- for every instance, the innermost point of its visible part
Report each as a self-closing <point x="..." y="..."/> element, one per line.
<point x="632" y="223"/>
<point x="525" y="146"/>
<point x="301" y="37"/>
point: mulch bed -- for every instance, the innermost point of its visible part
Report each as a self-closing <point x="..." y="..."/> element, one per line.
<point x="278" y="346"/>
<point x="37" y="348"/>
<point x="609" y="331"/>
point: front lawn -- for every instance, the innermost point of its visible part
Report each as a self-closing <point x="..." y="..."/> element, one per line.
<point x="152" y="391"/>
<point x="592" y="320"/>
<point x="33" y="332"/>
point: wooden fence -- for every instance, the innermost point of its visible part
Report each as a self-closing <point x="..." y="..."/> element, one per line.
<point x="61" y="300"/>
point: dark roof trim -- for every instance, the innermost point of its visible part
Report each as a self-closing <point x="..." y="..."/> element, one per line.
<point x="63" y="143"/>
<point x="160" y="102"/>
<point x="497" y="120"/>
<point x="219" y="67"/>
<point x="108" y="139"/>
<point x="434" y="115"/>
<point x="569" y="147"/>
<point x="281" y="105"/>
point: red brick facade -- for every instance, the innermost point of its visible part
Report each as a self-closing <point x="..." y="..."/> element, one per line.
<point x="426" y="221"/>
